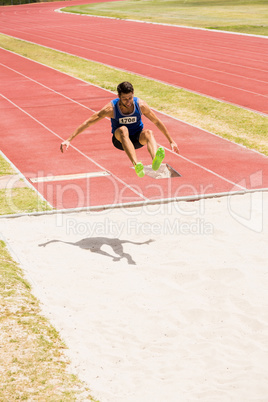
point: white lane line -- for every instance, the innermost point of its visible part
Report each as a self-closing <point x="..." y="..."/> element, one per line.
<point x="44" y="86"/>
<point x="24" y="179"/>
<point x="64" y="177"/>
<point x="207" y="170"/>
<point x="164" y="58"/>
<point x="145" y="64"/>
<point x="135" y="73"/>
<point x="61" y="10"/>
<point x="195" y="56"/>
<point x="211" y="43"/>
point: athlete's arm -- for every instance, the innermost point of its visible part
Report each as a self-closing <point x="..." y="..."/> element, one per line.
<point x="106" y="111"/>
<point x="147" y="111"/>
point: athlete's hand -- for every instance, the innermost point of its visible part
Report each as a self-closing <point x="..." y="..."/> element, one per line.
<point x="174" y="147"/>
<point x="64" y="144"/>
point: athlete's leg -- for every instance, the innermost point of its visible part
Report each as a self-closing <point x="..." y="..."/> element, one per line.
<point x="147" y="138"/>
<point x="122" y="135"/>
<point x="158" y="159"/>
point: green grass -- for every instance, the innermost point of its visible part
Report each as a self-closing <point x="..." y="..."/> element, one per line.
<point x="246" y="16"/>
<point x="5" y="167"/>
<point x="18" y="200"/>
<point x="21" y="200"/>
<point x="32" y="360"/>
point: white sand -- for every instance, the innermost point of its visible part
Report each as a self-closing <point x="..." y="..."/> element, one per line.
<point x="183" y="317"/>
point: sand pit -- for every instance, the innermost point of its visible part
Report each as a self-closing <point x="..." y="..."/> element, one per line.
<point x="160" y="303"/>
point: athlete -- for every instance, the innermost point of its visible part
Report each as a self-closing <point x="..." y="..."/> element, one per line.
<point x="127" y="127"/>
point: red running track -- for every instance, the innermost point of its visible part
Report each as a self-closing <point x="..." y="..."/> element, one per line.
<point x="229" y="67"/>
<point x="41" y="106"/>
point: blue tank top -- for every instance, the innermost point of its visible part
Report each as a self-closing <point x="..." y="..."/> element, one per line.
<point x="132" y="121"/>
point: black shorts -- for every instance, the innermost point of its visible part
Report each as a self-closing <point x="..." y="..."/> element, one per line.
<point x="134" y="139"/>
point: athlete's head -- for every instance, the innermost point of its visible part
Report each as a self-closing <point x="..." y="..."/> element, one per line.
<point x="125" y="88"/>
<point x="125" y="92"/>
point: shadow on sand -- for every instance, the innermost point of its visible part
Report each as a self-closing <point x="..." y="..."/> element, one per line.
<point x="94" y="244"/>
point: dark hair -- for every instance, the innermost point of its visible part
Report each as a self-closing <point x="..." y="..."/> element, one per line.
<point x="125" y="88"/>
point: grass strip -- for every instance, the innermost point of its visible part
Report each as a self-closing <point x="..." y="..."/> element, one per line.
<point x="32" y="361"/>
<point x="231" y="122"/>
<point x="15" y="200"/>
<point x="21" y="200"/>
<point x="245" y="16"/>
<point x="5" y="167"/>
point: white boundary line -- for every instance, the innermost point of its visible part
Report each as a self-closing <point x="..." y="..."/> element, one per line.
<point x="100" y="208"/>
<point x="43" y="85"/>
<point x="210" y="171"/>
<point x="215" y="135"/>
<point x="60" y="10"/>
<point x="24" y="179"/>
<point x="64" y="177"/>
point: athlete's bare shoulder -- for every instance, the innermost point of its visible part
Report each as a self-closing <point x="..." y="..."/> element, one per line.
<point x="107" y="111"/>
<point x="143" y="106"/>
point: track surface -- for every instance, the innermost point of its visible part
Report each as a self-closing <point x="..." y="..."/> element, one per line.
<point x="229" y="67"/>
<point x="41" y="106"/>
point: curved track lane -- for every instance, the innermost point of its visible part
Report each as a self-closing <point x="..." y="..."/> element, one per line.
<point x="229" y="67"/>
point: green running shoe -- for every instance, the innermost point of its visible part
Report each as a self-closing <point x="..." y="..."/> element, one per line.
<point x="158" y="159"/>
<point x="139" y="169"/>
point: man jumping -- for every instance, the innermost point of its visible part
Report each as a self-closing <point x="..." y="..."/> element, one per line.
<point x="127" y="127"/>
